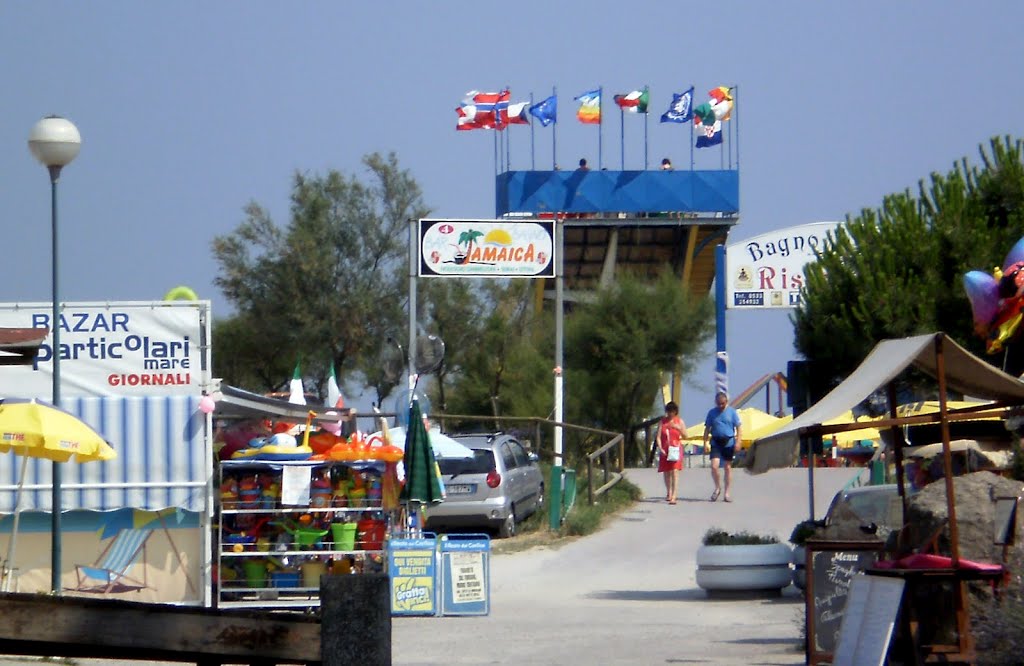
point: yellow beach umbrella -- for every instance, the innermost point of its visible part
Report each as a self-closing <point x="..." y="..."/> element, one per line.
<point x="932" y="406"/>
<point x="852" y="437"/>
<point x="754" y="423"/>
<point x="36" y="429"/>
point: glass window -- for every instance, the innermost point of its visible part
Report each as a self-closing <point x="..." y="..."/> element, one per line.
<point x="522" y="459"/>
<point x="507" y="456"/>
<point x="482" y="462"/>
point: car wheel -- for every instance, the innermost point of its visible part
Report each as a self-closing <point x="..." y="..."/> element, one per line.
<point x="507" y="530"/>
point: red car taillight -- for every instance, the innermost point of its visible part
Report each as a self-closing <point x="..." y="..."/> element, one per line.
<point x="493" y="478"/>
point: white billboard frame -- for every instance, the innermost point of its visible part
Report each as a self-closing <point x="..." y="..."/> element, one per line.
<point x="767" y="270"/>
<point x="115" y="348"/>
<point x="507" y="248"/>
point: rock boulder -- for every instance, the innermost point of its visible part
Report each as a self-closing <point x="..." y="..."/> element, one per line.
<point x="975" y="496"/>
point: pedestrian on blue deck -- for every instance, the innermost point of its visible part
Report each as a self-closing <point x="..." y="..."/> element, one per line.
<point x="723" y="426"/>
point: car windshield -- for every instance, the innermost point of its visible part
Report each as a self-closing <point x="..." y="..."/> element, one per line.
<point x="482" y="462"/>
<point x="880" y="505"/>
<point x="871" y="506"/>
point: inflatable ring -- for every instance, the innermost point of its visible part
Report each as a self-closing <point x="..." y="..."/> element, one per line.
<point x="181" y="293"/>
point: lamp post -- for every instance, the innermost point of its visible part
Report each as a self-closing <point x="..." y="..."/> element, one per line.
<point x="55" y="142"/>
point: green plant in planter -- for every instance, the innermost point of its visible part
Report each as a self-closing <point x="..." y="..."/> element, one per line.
<point x="804" y="530"/>
<point x="718" y="537"/>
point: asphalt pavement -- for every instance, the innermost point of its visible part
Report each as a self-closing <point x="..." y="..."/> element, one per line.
<point x="627" y="594"/>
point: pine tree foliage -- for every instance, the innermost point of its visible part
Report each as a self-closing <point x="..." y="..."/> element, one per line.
<point x="897" y="270"/>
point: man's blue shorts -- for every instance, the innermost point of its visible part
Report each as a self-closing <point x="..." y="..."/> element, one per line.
<point x="723" y="448"/>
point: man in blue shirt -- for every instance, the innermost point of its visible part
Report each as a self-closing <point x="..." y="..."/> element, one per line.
<point x="723" y="426"/>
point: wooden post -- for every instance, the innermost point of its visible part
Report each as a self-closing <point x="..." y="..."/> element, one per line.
<point x="897" y="447"/>
<point x="960" y="603"/>
<point x="590" y="480"/>
<point x="947" y="456"/>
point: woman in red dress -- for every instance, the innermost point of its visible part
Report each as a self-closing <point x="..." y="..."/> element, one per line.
<point x="670" y="434"/>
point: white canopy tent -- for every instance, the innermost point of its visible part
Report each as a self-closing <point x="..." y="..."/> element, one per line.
<point x="932" y="353"/>
<point x="955" y="369"/>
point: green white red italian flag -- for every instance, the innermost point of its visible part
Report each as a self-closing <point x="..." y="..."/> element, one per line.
<point x="634" y="102"/>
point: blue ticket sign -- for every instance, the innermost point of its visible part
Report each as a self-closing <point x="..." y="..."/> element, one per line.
<point x="411" y="567"/>
<point x="466" y="575"/>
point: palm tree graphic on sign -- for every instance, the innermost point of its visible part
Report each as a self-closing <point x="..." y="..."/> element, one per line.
<point x="467" y="238"/>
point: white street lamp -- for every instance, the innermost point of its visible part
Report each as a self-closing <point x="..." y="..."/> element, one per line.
<point x="55" y="142"/>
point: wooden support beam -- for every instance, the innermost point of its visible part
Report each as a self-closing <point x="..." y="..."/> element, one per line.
<point x="691" y="245"/>
<point x="108" y="629"/>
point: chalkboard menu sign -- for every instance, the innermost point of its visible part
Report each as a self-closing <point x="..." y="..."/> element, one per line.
<point x="831" y="566"/>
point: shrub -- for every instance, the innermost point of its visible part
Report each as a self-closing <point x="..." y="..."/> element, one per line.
<point x="583" y="519"/>
<point x="719" y="537"/>
<point x="804" y="530"/>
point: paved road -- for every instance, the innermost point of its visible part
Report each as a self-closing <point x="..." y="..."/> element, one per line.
<point x="627" y="595"/>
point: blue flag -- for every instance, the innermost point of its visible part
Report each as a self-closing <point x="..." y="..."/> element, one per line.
<point x="546" y="111"/>
<point x="681" y="108"/>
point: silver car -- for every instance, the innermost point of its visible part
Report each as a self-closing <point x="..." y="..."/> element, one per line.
<point x="879" y="506"/>
<point x="499" y="486"/>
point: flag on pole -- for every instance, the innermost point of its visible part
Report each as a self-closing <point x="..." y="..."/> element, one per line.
<point x="546" y="111"/>
<point x="483" y="110"/>
<point x="721" y="102"/>
<point x="516" y="114"/>
<point x="334" y="398"/>
<point x="708" y="117"/>
<point x="720" y="93"/>
<point x="681" y="108"/>
<point x="709" y="135"/>
<point x="296" y="394"/>
<point x="590" y="107"/>
<point x="634" y="102"/>
<point x="467" y="118"/>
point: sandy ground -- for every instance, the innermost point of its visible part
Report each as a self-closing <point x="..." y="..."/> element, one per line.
<point x="627" y="595"/>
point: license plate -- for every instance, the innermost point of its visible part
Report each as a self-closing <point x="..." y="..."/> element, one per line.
<point x="461" y="488"/>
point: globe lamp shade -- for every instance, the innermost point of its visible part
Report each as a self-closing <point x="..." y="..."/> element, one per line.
<point x="54" y="141"/>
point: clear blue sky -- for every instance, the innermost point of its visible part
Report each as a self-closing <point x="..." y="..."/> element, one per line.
<point x="189" y="110"/>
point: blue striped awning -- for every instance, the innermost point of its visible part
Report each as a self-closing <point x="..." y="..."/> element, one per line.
<point x="161" y="458"/>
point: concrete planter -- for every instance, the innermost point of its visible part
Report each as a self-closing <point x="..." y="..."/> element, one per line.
<point x="799" y="566"/>
<point x="744" y="567"/>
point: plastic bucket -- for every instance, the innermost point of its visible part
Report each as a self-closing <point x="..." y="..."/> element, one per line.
<point x="239" y="541"/>
<point x="285" y="579"/>
<point x="370" y="534"/>
<point x="255" y="572"/>
<point x="307" y="537"/>
<point x="344" y="536"/>
<point x="311" y="572"/>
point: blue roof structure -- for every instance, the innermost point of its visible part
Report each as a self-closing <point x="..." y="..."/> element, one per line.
<point x="640" y="193"/>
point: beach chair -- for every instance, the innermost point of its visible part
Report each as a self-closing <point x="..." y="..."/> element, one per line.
<point x="110" y="572"/>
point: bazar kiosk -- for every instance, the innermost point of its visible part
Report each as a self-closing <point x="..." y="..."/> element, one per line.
<point x="136" y="527"/>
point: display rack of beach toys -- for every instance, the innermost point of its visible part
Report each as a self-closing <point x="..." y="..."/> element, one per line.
<point x="272" y="555"/>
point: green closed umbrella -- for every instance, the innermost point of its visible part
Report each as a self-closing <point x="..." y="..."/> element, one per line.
<point x="422" y="483"/>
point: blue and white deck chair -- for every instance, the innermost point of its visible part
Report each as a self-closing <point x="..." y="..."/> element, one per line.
<point x="109" y="573"/>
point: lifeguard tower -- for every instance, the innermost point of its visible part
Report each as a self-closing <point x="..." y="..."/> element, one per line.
<point x="632" y="220"/>
<point x="637" y="221"/>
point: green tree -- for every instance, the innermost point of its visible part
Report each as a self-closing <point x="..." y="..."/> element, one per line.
<point x="506" y="356"/>
<point x="454" y="311"/>
<point x="329" y="287"/>
<point x="619" y="347"/>
<point x="897" y="271"/>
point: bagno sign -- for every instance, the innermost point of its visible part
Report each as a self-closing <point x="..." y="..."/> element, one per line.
<point x="767" y="271"/>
